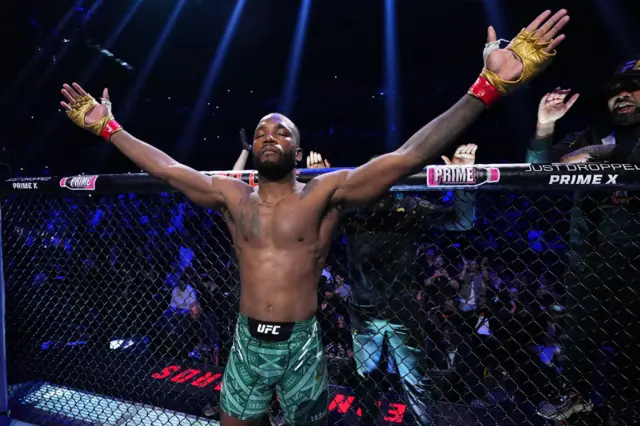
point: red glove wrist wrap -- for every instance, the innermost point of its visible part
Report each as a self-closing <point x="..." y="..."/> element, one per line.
<point x="484" y="91"/>
<point x="109" y="129"/>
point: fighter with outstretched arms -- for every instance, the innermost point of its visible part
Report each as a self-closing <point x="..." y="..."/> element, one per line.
<point x="282" y="229"/>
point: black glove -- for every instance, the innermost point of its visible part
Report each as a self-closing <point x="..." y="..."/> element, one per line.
<point x="243" y="141"/>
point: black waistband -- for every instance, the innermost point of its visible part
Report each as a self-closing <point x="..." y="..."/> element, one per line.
<point x="268" y="331"/>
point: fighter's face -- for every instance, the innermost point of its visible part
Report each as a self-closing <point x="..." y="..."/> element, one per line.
<point x="275" y="146"/>
<point x="624" y="106"/>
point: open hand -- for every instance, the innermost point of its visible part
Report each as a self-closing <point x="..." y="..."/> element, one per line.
<point x="315" y="161"/>
<point x="553" y="106"/>
<point x="74" y="94"/>
<point x="546" y="28"/>
<point x="465" y="155"/>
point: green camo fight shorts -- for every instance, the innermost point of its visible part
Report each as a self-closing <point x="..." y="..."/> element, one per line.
<point x="285" y="357"/>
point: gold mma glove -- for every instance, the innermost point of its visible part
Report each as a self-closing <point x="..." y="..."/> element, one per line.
<point x="105" y="127"/>
<point x="530" y="49"/>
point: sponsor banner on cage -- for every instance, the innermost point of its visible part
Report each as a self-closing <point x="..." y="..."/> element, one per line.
<point x="453" y="176"/>
<point x="27" y="183"/>
<point x="583" y="174"/>
<point x="200" y="377"/>
<point x="79" y="183"/>
<point x="29" y="179"/>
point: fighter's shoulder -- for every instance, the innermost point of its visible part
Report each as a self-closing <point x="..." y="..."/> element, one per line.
<point x="232" y="189"/>
<point x="229" y="183"/>
<point x="324" y="184"/>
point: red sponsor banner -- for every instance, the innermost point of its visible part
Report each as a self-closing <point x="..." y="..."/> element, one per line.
<point x="191" y="376"/>
<point x="392" y="412"/>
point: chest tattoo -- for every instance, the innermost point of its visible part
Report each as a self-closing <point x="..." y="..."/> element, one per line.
<point x="249" y="218"/>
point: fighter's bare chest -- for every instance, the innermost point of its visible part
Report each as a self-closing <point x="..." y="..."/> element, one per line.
<point x="285" y="222"/>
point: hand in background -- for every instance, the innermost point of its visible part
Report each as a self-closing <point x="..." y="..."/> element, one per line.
<point x="465" y="155"/>
<point x="315" y="161"/>
<point x="553" y="106"/>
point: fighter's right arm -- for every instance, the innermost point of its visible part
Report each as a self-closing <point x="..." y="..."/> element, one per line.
<point x="86" y="113"/>
<point x="207" y="191"/>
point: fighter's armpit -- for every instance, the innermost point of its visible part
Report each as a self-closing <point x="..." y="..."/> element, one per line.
<point x="309" y="188"/>
<point x="333" y="212"/>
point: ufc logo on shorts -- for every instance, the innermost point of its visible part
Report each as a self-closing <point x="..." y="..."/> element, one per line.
<point x="268" y="329"/>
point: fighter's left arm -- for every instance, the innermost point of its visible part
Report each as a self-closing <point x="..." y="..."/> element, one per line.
<point x="505" y="70"/>
<point x="370" y="181"/>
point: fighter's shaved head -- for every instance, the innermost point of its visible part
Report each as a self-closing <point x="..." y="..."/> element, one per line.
<point x="286" y="122"/>
<point x="276" y="146"/>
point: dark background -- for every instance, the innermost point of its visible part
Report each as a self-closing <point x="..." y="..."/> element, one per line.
<point x="338" y="107"/>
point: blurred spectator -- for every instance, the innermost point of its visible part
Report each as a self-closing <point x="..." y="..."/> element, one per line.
<point x="343" y="290"/>
<point x="326" y="272"/>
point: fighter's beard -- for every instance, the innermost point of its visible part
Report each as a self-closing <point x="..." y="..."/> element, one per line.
<point x="275" y="170"/>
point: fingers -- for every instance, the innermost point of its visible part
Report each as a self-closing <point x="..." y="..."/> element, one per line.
<point x="491" y="35"/>
<point x="572" y="100"/>
<point x="549" y="35"/>
<point x="68" y="96"/>
<point x="314" y="159"/>
<point x="545" y="99"/>
<point x="465" y="150"/>
<point x="555" y="97"/>
<point x="553" y="26"/>
<point x="446" y="160"/>
<point x="533" y="26"/>
<point x="65" y="106"/>
<point x="105" y="94"/>
<point x="79" y="89"/>
<point x="556" y="41"/>
<point x="73" y="95"/>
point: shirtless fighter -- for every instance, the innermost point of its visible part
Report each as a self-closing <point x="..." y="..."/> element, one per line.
<point x="282" y="229"/>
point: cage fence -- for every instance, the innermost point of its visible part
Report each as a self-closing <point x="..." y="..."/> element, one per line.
<point x="464" y="296"/>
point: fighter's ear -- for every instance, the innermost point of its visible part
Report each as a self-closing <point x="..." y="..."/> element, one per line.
<point x="299" y="155"/>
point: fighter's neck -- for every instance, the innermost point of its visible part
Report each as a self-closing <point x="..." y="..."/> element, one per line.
<point x="274" y="191"/>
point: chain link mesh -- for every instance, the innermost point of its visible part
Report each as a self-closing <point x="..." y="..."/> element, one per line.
<point x="135" y="297"/>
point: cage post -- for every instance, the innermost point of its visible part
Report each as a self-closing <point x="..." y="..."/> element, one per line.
<point x="4" y="395"/>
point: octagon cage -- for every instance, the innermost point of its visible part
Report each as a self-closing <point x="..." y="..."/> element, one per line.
<point x="466" y="296"/>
